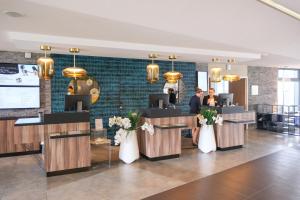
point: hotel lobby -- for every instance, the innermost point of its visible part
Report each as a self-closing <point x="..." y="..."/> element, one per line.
<point x="149" y="100"/>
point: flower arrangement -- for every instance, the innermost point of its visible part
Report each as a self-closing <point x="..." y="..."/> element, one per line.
<point x="128" y="124"/>
<point x="209" y="116"/>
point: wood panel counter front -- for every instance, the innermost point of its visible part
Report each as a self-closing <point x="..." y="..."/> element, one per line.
<point x="166" y="140"/>
<point x="21" y="136"/>
<point x="231" y="134"/>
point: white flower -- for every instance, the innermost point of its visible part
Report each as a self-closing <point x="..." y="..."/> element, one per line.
<point x="119" y="121"/>
<point x="112" y="121"/>
<point x="148" y="127"/>
<point x="126" y="124"/>
<point x="219" y="120"/>
<point x="120" y="136"/>
<point x="203" y="121"/>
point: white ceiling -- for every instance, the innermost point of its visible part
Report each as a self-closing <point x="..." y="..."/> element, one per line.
<point x="195" y="30"/>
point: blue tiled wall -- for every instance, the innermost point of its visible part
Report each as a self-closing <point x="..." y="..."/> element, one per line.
<point x="122" y="83"/>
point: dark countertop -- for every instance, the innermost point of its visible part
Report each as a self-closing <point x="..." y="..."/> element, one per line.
<point x="240" y="121"/>
<point x="15" y="118"/>
<point x="230" y="109"/>
<point x="55" y="118"/>
<point x="160" y="113"/>
<point x="174" y="115"/>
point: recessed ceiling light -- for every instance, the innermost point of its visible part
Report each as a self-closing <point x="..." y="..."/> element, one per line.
<point x="281" y="8"/>
<point x="13" y="14"/>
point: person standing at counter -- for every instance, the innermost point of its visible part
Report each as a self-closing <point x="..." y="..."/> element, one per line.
<point x="211" y="99"/>
<point x="195" y="105"/>
<point x="172" y="96"/>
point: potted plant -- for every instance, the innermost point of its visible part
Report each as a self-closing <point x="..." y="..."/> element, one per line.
<point x="126" y="135"/>
<point x="207" y="118"/>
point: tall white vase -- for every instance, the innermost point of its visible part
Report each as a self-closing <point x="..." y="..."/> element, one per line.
<point x="129" y="149"/>
<point x="207" y="140"/>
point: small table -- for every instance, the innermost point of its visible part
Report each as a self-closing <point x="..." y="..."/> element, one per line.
<point x="100" y="146"/>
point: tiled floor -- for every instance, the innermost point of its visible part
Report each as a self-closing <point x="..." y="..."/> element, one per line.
<point x="22" y="178"/>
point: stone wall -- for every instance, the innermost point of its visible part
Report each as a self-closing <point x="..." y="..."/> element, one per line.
<point x="45" y="86"/>
<point x="266" y="79"/>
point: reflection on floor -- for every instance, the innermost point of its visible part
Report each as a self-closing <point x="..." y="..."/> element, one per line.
<point x="22" y="178"/>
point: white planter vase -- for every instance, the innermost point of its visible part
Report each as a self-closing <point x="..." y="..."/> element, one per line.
<point x="207" y="140"/>
<point x="129" y="149"/>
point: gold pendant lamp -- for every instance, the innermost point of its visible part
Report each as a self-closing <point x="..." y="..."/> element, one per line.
<point x="46" y="64"/>
<point x="215" y="75"/>
<point x="74" y="72"/>
<point x="152" y="70"/>
<point x="172" y="76"/>
<point x="228" y="76"/>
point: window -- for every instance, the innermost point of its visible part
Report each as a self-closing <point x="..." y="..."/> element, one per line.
<point x="221" y="87"/>
<point x="288" y="87"/>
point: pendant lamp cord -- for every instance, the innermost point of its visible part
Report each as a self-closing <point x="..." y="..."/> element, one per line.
<point x="74" y="59"/>
<point x="172" y="60"/>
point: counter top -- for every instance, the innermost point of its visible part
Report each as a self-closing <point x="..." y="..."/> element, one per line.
<point x="55" y="118"/>
<point x="15" y="118"/>
<point x="29" y="121"/>
<point x="173" y="115"/>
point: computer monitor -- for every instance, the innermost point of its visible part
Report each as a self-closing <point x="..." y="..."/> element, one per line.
<point x="158" y="100"/>
<point x="73" y="101"/>
<point x="225" y="99"/>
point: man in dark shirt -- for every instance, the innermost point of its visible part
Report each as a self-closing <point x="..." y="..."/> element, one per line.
<point x="172" y="96"/>
<point x="195" y="105"/>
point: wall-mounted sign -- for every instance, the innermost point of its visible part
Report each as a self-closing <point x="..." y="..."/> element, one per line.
<point x="254" y="89"/>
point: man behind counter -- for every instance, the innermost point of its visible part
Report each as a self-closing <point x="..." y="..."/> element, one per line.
<point x="195" y="105"/>
<point x="211" y="99"/>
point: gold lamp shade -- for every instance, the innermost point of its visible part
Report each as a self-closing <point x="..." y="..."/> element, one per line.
<point x="231" y="77"/>
<point x="152" y="70"/>
<point x="172" y="76"/>
<point x="46" y="65"/>
<point x="215" y="75"/>
<point x="228" y="76"/>
<point x="74" y="72"/>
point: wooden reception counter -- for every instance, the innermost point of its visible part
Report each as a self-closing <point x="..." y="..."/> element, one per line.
<point x="64" y="148"/>
<point x="231" y="134"/>
<point x="166" y="141"/>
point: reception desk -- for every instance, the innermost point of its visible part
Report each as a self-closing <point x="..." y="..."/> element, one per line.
<point x="231" y="134"/>
<point x="65" y="146"/>
<point x="166" y="141"/>
<point x="168" y="124"/>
